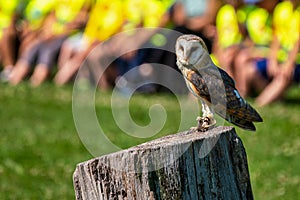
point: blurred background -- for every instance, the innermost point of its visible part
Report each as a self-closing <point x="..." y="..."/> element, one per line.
<point x="44" y="43"/>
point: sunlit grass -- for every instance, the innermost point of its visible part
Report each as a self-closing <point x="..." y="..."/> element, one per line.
<point x="40" y="147"/>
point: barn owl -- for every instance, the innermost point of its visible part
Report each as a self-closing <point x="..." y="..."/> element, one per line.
<point x="213" y="86"/>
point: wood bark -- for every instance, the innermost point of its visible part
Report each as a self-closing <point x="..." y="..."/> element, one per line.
<point x="186" y="165"/>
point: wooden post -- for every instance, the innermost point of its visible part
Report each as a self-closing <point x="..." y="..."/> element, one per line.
<point x="186" y="165"/>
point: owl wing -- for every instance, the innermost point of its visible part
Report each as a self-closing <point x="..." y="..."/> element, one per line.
<point x="218" y="73"/>
<point x="238" y="111"/>
<point x="215" y="82"/>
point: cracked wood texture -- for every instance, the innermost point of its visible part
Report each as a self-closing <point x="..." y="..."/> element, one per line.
<point x="186" y="165"/>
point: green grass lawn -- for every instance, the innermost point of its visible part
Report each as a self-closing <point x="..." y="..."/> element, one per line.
<point x="40" y="147"/>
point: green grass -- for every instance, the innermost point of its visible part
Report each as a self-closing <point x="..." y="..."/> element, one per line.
<point x="40" y="147"/>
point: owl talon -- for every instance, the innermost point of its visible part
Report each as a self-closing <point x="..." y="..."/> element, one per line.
<point x="205" y="123"/>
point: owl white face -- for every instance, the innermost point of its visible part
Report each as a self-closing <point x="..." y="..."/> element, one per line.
<point x="190" y="50"/>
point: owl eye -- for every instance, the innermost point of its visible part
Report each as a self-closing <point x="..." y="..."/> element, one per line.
<point x="180" y="48"/>
<point x="194" y="49"/>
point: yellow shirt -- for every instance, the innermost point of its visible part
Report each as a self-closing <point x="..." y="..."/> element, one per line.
<point x="106" y="18"/>
<point x="7" y="10"/>
<point x="111" y="16"/>
<point x="36" y="11"/>
<point x="153" y="10"/>
<point x="144" y="13"/>
<point x="65" y="12"/>
<point x="286" y="24"/>
<point x="286" y="28"/>
<point x="259" y="28"/>
<point x="228" y="27"/>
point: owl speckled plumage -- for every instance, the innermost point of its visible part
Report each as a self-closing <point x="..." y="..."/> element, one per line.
<point x="213" y="86"/>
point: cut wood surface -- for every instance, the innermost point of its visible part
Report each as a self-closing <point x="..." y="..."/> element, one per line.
<point x="186" y="165"/>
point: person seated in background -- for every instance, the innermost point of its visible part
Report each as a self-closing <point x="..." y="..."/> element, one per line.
<point x="11" y="12"/>
<point x="31" y="25"/>
<point x="229" y="36"/>
<point x="58" y="20"/>
<point x="106" y="19"/>
<point x="282" y="67"/>
<point x="256" y="47"/>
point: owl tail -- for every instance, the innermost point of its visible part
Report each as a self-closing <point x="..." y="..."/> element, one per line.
<point x="242" y="123"/>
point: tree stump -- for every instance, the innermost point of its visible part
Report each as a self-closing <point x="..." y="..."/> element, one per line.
<point x="186" y="165"/>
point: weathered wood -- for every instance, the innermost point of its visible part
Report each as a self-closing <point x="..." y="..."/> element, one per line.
<point x="172" y="167"/>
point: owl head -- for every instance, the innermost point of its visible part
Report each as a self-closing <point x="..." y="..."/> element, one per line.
<point x="191" y="51"/>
